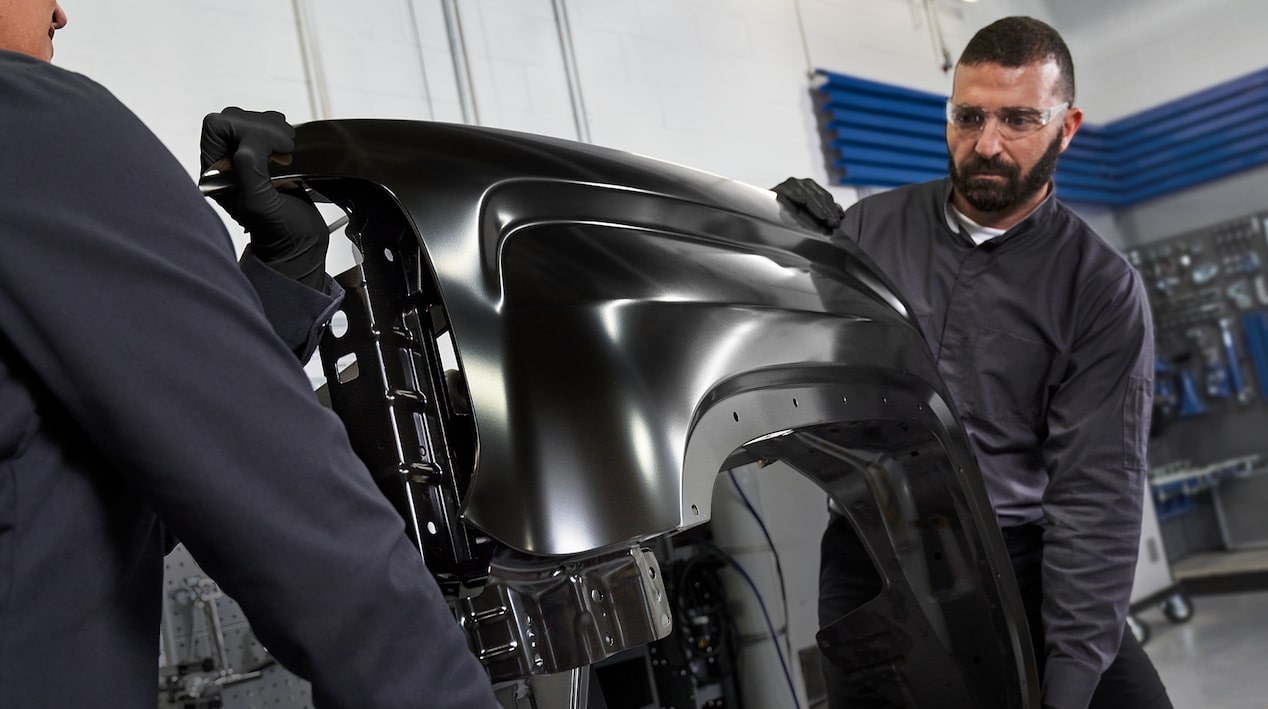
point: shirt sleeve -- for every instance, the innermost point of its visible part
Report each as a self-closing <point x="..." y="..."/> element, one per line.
<point x="1098" y="423"/>
<point x="852" y="223"/>
<point x="119" y="286"/>
<point x="298" y="314"/>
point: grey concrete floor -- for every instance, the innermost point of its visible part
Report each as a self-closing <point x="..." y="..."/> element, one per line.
<point x="1219" y="658"/>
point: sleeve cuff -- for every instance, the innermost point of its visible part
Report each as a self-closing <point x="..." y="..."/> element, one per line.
<point x="297" y="313"/>
<point x="1068" y="684"/>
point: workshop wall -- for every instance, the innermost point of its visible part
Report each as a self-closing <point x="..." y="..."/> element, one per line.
<point x="720" y="85"/>
<point x="1135" y="54"/>
<point x="171" y="63"/>
<point x="1234" y="196"/>
<point x="715" y="84"/>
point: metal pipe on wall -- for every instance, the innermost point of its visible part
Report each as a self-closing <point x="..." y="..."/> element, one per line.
<point x="422" y="64"/>
<point x="314" y="74"/>
<point x="461" y="68"/>
<point x="570" y="70"/>
<point x="805" y="41"/>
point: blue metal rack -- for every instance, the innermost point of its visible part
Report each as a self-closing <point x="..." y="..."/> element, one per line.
<point x="885" y="136"/>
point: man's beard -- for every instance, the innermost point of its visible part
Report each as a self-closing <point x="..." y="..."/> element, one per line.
<point x="996" y="196"/>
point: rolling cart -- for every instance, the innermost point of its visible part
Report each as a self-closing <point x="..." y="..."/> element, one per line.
<point x="1154" y="583"/>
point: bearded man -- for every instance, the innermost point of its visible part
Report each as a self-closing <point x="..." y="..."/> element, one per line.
<point x="1043" y="334"/>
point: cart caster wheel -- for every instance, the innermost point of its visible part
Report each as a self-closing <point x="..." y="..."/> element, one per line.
<point x="1178" y="608"/>
<point x="1139" y="628"/>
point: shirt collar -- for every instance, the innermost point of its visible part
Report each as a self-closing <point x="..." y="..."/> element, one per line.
<point x="1025" y="226"/>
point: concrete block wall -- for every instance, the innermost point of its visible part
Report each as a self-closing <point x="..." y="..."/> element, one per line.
<point x="720" y="85"/>
<point x="517" y="66"/>
<point x="714" y="84"/>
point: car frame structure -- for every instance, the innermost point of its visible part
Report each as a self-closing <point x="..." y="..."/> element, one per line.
<point x="549" y="350"/>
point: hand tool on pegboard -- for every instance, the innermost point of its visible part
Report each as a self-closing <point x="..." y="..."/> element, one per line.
<point x="1255" y="336"/>
<point x="1234" y="362"/>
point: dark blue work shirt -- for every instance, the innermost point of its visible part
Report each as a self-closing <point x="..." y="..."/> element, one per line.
<point x="140" y="379"/>
<point x="1045" y="340"/>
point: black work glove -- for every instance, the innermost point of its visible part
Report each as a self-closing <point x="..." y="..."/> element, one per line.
<point x="287" y="232"/>
<point x="812" y="200"/>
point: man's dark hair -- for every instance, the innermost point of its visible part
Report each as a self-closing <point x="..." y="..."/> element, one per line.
<point x="1021" y="41"/>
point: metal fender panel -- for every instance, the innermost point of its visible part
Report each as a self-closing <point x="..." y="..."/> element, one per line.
<point x="597" y="300"/>
<point x="627" y="328"/>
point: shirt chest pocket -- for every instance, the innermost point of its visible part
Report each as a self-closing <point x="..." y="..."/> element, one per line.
<point x="1007" y="379"/>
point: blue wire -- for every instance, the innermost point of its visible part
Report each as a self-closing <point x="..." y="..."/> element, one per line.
<point x="779" y="568"/>
<point x="761" y="603"/>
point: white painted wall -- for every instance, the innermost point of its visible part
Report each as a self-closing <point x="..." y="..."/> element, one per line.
<point x="720" y="85"/>
<point x="795" y="513"/>
<point x="714" y="84"/>
<point x="1135" y="54"/>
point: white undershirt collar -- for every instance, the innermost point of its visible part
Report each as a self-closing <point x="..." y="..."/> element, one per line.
<point x="960" y="224"/>
<point x="963" y="225"/>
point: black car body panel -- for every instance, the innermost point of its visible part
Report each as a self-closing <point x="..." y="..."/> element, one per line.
<point x="626" y="329"/>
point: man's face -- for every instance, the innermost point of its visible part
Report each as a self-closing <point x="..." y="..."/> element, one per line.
<point x="995" y="174"/>
<point x="27" y="26"/>
<point x="995" y="185"/>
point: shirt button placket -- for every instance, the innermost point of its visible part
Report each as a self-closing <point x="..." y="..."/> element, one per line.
<point x="955" y="359"/>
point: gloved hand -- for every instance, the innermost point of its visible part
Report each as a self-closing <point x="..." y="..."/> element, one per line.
<point x="811" y="199"/>
<point x="287" y="232"/>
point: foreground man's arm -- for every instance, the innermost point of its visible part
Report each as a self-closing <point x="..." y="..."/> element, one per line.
<point x="128" y="305"/>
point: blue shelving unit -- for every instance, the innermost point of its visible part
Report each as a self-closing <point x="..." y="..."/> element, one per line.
<point x="885" y="136"/>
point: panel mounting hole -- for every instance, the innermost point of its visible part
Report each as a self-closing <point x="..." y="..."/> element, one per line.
<point x="346" y="368"/>
<point x="431" y="527"/>
<point x="735" y="415"/>
<point x="387" y="254"/>
<point x="339" y="324"/>
<point x="795" y="404"/>
<point x="695" y="510"/>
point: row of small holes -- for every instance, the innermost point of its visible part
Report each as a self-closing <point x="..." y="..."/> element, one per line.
<point x="736" y="415"/>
